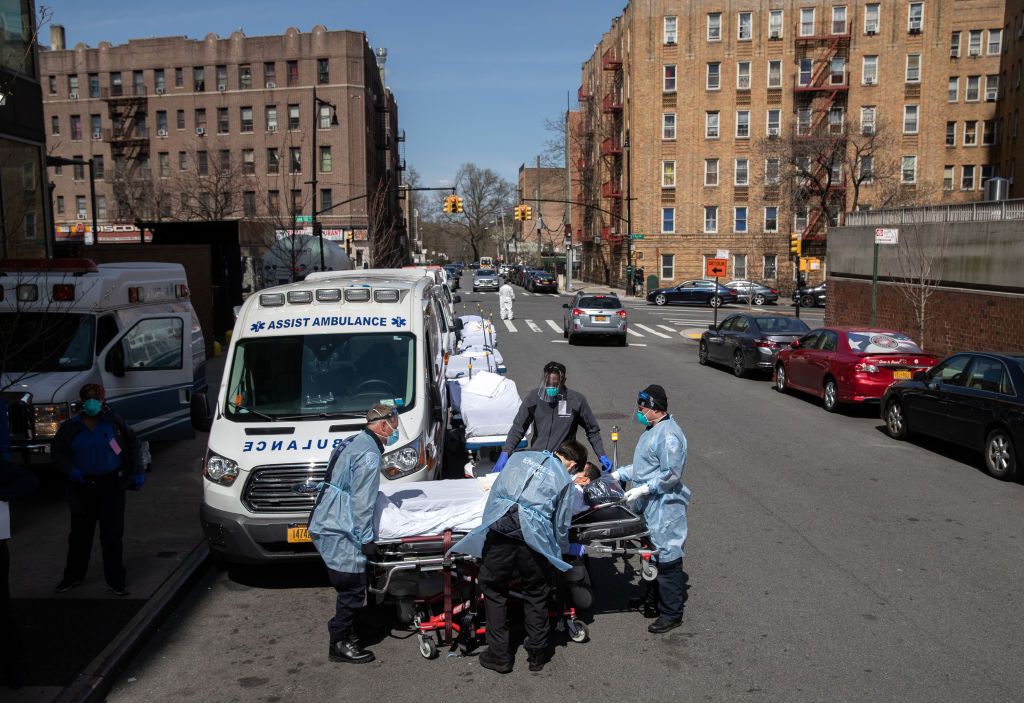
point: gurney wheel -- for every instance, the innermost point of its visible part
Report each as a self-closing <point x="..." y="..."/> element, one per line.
<point x="428" y="648"/>
<point x="648" y="571"/>
<point x="578" y="631"/>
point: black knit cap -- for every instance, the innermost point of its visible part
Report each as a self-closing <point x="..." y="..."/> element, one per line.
<point x="653" y="397"/>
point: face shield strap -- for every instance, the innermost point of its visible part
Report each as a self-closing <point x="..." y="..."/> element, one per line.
<point x="552" y="367"/>
<point x="644" y="400"/>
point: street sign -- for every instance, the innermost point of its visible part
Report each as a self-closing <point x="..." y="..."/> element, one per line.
<point x="887" y="235"/>
<point x="714" y="268"/>
<point x="636" y="236"/>
<point x="722" y="254"/>
<point x="303" y="218"/>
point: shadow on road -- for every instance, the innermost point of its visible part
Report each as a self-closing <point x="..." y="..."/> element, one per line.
<point x="945" y="449"/>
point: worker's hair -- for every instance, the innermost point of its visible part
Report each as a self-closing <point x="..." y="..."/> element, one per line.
<point x="379" y="412"/>
<point x="92" y="390"/>
<point x="573" y="451"/>
<point x="591" y="471"/>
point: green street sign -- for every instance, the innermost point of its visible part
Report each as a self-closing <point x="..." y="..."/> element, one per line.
<point x="636" y="236"/>
<point x="303" y="218"/>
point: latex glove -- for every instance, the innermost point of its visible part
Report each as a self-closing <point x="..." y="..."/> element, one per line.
<point x="636" y="492"/>
<point x="369" y="549"/>
<point x="76" y="476"/>
<point x="500" y="463"/>
<point x="606" y="463"/>
<point x="576" y="550"/>
<point x="616" y="475"/>
<point x="138" y="480"/>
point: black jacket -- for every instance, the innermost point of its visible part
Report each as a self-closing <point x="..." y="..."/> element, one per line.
<point x="131" y="454"/>
<point x="550" y="428"/>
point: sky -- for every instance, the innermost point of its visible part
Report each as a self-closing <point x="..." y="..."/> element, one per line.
<point x="474" y="81"/>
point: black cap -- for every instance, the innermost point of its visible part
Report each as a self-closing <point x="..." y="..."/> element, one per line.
<point x="653" y="397"/>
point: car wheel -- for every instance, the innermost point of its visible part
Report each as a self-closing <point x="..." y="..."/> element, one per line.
<point x="571" y="338"/>
<point x="830" y="396"/>
<point x="623" y="342"/>
<point x="715" y="301"/>
<point x="702" y="353"/>
<point x="758" y="299"/>
<point x="895" y="421"/>
<point x="739" y="366"/>
<point x="780" y="378"/>
<point x="1000" y="459"/>
<point x="660" y="299"/>
<point x="565" y="332"/>
<point x="807" y="301"/>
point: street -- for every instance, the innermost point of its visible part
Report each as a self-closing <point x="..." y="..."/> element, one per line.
<point x="825" y="561"/>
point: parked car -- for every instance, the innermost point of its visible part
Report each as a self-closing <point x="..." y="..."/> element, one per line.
<point x="811" y="297"/>
<point x="972" y="399"/>
<point x="454" y="276"/>
<point x="542" y="282"/>
<point x="594" y="315"/>
<point x="485" y="279"/>
<point x="846" y="365"/>
<point x="696" y="292"/>
<point x="749" y="342"/>
<point x="756" y="293"/>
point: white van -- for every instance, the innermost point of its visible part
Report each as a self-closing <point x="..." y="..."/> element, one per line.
<point x="130" y="326"/>
<point x="306" y="361"/>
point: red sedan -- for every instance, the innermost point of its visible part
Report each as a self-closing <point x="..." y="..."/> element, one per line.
<point x="846" y="365"/>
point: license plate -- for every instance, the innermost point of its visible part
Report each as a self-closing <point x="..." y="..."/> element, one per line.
<point x="600" y="318"/>
<point x="298" y="533"/>
<point x="902" y="375"/>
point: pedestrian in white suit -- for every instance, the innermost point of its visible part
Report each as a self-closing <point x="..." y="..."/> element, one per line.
<point x="506" y="294"/>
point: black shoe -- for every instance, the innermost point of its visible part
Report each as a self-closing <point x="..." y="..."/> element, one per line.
<point x="347" y="652"/>
<point x="119" y="590"/>
<point x="66" y="585"/>
<point x="663" y="624"/>
<point x="538" y="659"/>
<point x="649" y="610"/>
<point x="487" y="661"/>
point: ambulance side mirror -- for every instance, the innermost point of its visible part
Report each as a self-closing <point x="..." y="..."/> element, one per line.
<point x="456" y="299"/>
<point x="435" y="404"/>
<point x="199" y="410"/>
<point x="115" y="360"/>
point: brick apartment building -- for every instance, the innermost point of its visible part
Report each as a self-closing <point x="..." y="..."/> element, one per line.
<point x="729" y="107"/>
<point x="538" y="187"/>
<point x="223" y="128"/>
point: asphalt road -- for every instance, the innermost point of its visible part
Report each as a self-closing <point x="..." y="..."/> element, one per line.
<point x="826" y="562"/>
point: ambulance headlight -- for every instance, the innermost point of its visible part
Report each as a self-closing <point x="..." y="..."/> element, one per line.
<point x="402" y="462"/>
<point x="46" y="418"/>
<point x="220" y="469"/>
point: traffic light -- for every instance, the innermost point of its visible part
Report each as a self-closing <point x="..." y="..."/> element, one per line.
<point x="527" y="212"/>
<point x="794" y="245"/>
<point x="447" y="207"/>
<point x="517" y="213"/>
<point x="457" y="204"/>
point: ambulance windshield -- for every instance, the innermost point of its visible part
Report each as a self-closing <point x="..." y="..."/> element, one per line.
<point x="40" y="342"/>
<point x="316" y="375"/>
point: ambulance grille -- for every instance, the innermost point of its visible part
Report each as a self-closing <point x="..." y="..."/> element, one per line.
<point x="288" y="488"/>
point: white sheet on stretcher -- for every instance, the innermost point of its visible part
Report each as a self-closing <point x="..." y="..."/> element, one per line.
<point x="489" y="403"/>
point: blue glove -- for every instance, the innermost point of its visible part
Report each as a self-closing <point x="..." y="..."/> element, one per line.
<point x="76" y="476"/>
<point x="138" y="480"/>
<point x="576" y="550"/>
<point x="500" y="463"/>
<point x="606" y="463"/>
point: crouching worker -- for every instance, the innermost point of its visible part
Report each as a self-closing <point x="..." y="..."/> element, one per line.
<point x="341" y="526"/>
<point x="524" y="532"/>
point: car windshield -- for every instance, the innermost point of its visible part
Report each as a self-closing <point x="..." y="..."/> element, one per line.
<point x="39" y="342"/>
<point x="485" y="272"/>
<point x="881" y="343"/>
<point x="600" y="303"/>
<point x="309" y="375"/>
<point x="782" y="325"/>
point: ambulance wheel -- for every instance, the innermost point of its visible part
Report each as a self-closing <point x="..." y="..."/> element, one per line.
<point x="578" y="631"/>
<point x="428" y="648"/>
<point x="648" y="571"/>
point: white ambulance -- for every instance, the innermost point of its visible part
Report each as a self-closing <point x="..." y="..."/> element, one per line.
<point x="306" y="362"/>
<point x="68" y="322"/>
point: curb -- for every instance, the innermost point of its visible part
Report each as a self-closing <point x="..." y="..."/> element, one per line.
<point x="96" y="680"/>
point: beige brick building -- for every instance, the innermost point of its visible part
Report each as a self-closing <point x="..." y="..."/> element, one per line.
<point x="224" y="128"/>
<point x="547" y="228"/>
<point x="735" y="111"/>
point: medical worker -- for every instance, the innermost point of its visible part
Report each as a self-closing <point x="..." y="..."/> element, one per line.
<point x="524" y="532"/>
<point x="506" y="295"/>
<point x="556" y="412"/>
<point x="657" y="488"/>
<point x="341" y="526"/>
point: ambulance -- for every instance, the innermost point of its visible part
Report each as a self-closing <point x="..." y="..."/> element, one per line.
<point x="130" y="326"/>
<point x="306" y="362"/>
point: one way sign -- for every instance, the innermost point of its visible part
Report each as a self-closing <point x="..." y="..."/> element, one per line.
<point x="715" y="268"/>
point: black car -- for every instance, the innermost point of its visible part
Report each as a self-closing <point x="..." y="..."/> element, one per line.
<point x="697" y="292"/>
<point x="974" y="399"/>
<point x="749" y="342"/>
<point x="542" y="282"/>
<point x="810" y="297"/>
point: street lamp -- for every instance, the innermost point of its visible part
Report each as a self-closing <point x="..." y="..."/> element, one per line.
<point x="629" y="220"/>
<point x="315" y="161"/>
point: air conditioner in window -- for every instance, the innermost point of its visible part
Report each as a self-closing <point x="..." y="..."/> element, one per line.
<point x="872" y="31"/>
<point x="975" y="52"/>
<point x="271" y="84"/>
<point x="869" y="81"/>
<point x="271" y="127"/>
<point x="954" y="53"/>
<point x="867" y="129"/>
<point x="200" y="131"/>
<point x="991" y="96"/>
<point x="773" y="131"/>
<point x="775" y="34"/>
<point x="222" y="87"/>
<point x="161" y="133"/>
<point x="97" y="134"/>
<point x="160" y="91"/>
<point x="670" y="42"/>
<point x="73" y="95"/>
<point x="82" y="216"/>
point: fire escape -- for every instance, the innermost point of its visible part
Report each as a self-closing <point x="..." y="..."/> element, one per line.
<point x="611" y="148"/>
<point x="585" y="163"/>
<point x="822" y="93"/>
<point x="128" y="135"/>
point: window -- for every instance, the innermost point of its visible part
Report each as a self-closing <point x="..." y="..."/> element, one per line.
<point x="668" y="266"/>
<point x="710" y="219"/>
<point x="915" y="17"/>
<point x="954" y="45"/>
<point x="116" y="85"/>
<point x="161" y="121"/>
<point x="202" y="163"/>
<point x="951" y="133"/>
<point x="803" y="121"/>
<point x="991" y="88"/>
<point x="774" y="74"/>
<point x="714" y="26"/>
<point x="164" y="164"/>
<point x="80" y="210"/>
<point x="995" y="41"/>
<point x="743" y="124"/>
<point x="744" y="26"/>
<point x="182" y="161"/>
<point x="739" y="270"/>
<point x="990" y="132"/>
<point x="52" y="81"/>
<point x="771" y="219"/>
<point x="179" y="77"/>
<point x="947" y="177"/>
<point x="72" y="83"/>
<point x="971" y="133"/>
<point x="869" y="70"/>
<point x="293" y="117"/>
<point x="806" y="21"/>
<point x="741" y="172"/>
<point x="670" y="32"/>
<point x="987" y="172"/>
<point x="179" y="119"/>
<point x="908" y="169"/>
<point x="200" y="117"/>
<point x="871" y="18"/>
<point x="668" y="220"/>
<point x="245" y="76"/>
<point x="711" y="125"/>
<point x="324" y="121"/>
<point x="806" y="69"/>
<point x="711" y="172"/>
<point x="967" y="178"/>
<point x="775" y="24"/>
<point x="273" y="161"/>
<point x="60" y="204"/>
<point x="269" y="74"/>
<point x="774" y="122"/>
<point x="867" y="119"/>
<point x="248" y="162"/>
<point x="294" y="159"/>
<point x="270" y="115"/>
<point x="323" y="71"/>
<point x="76" y="128"/>
<point x="293" y="73"/>
<point x="913" y="74"/>
<point x="974" y="42"/>
<point x="835" y="120"/>
<point x="55" y="125"/>
<point x="973" y="92"/>
<point x="668" y="174"/>
<point x="198" y="79"/>
<point x="326" y="199"/>
<point x="713" y="81"/>
<point x="772" y="171"/>
<point x="78" y="170"/>
<point x="837" y="71"/>
<point x="222" y="120"/>
<point x="953" y="89"/>
<point x="98" y="168"/>
<point x="668" y="73"/>
<point x="668" y="126"/>
<point x="325" y="159"/>
<point x="739" y="221"/>
<point x="94" y="82"/>
<point x="743" y="75"/>
<point x="769" y="269"/>
<point x="153" y="344"/>
<point x="910" y="114"/>
<point x="866" y="168"/>
<point x="800" y="219"/>
<point x="249" y="203"/>
<point x="839" y="20"/>
<point x="224" y="158"/>
<point x="222" y="77"/>
<point x="274" y="202"/>
<point x="245" y="115"/>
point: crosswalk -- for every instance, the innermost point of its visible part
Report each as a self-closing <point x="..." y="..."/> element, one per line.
<point x="634" y="330"/>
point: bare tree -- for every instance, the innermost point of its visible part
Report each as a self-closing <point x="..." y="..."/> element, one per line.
<point x="383" y="232"/>
<point x="212" y="189"/>
<point x="485" y="195"/>
<point x="920" y="261"/>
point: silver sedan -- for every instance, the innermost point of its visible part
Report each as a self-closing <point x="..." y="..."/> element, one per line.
<point x="756" y="293"/>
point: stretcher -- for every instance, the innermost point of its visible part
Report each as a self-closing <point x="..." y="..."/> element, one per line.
<point x="486" y="406"/>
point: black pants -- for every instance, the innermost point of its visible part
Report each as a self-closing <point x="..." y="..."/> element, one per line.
<point x="100" y="500"/>
<point x="10" y="637"/>
<point x="667" y="593"/>
<point x="351" y="590"/>
<point x="503" y="559"/>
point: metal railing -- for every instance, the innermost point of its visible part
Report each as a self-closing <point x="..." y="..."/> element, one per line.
<point x="986" y="211"/>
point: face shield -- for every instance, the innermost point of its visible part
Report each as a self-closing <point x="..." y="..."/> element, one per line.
<point x="552" y="382"/>
<point x="392" y="420"/>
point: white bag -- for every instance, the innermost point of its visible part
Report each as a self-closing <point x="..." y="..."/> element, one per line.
<point x="493" y="411"/>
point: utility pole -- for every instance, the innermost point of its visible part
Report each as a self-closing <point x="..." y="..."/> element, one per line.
<point x="318" y="230"/>
<point x="568" y="205"/>
<point x="629" y="219"/>
<point x="540" y="220"/>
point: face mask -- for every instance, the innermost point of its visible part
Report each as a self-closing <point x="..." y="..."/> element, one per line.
<point x="551" y="391"/>
<point x="92" y="407"/>
<point x="392" y="438"/>
<point x="642" y="419"/>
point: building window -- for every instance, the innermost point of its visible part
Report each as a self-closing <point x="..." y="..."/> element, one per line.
<point x="771" y="219"/>
<point x="202" y="163"/>
<point x="668" y="220"/>
<point x="803" y="121"/>
<point x="774" y="122"/>
<point x="668" y="126"/>
<point x="222" y="77"/>
<point x="293" y="117"/>
<point x="249" y="203"/>
<point x="867" y="119"/>
<point x="992" y="88"/>
<point x="76" y="128"/>
<point x="806" y="21"/>
<point x="94" y="82"/>
<point x="326" y="199"/>
<point x="953" y="89"/>
<point x="745" y="26"/>
<point x="73" y="85"/>
<point x="713" y="81"/>
<point x="161" y="122"/>
<point x="164" y="164"/>
<point x="869" y="70"/>
<point x="711" y="172"/>
<point x="248" y="162"/>
<point x="710" y="219"/>
<point x="293" y="73"/>
<point x="775" y="24"/>
<point x="323" y="71"/>
<point x="967" y="178"/>
<point x="711" y="125"/>
<point x="52" y="82"/>
<point x="670" y="34"/>
<point x="222" y="120"/>
<point x="772" y="171"/>
<point x="871" y="18"/>
<point x="668" y="267"/>
<point x="179" y="77"/>
<point x="948" y="177"/>
<point x="995" y="41"/>
<point x="806" y="70"/>
<point x="915" y="17"/>
<point x="294" y="159"/>
<point x="954" y="45"/>
<point x="839" y="19"/>
<point x="669" y="78"/>
<point x="269" y="74"/>
<point x="245" y="76"/>
<point x="200" y="118"/>
<point x="273" y="161"/>
<point x="224" y="157"/>
<point x="270" y="115"/>
<point x="325" y="159"/>
<point x="743" y="75"/>
<point x="768" y="271"/>
<point x="990" y="132"/>
<point x="80" y="210"/>
<point x="714" y="26"/>
<point x="741" y="172"/>
<point x="739" y="265"/>
<point x="951" y="133"/>
<point x="866" y="168"/>
<point x="55" y="125"/>
<point x="973" y="91"/>
<point x="974" y="42"/>
<point x="60" y="204"/>
<point x="324" y="117"/>
<point x="908" y="170"/>
<point x="743" y="124"/>
<point x="987" y="172"/>
<point x="739" y="219"/>
<point x="198" y="79"/>
<point x="910" y="115"/>
<point x="98" y="168"/>
<point x="182" y="161"/>
<point x="668" y="174"/>
<point x="971" y="133"/>
<point x="179" y="119"/>
<point x="774" y="74"/>
<point x="78" y="170"/>
<point x="913" y="73"/>
<point x="245" y="115"/>
<point x="835" y="120"/>
<point x="274" y="202"/>
<point x="837" y="71"/>
<point x="800" y="219"/>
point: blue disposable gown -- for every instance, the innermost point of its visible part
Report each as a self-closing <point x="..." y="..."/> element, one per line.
<point x="658" y="462"/>
<point x="539" y="484"/>
<point x="342" y="519"/>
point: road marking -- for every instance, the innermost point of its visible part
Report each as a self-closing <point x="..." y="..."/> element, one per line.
<point x="533" y="327"/>
<point x="526" y="292"/>
<point x="552" y="325"/>
<point x="634" y="332"/>
<point x="559" y="341"/>
<point x="509" y="326"/>
<point x="666" y="327"/>
<point x="634" y="344"/>
<point x="645" y="328"/>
